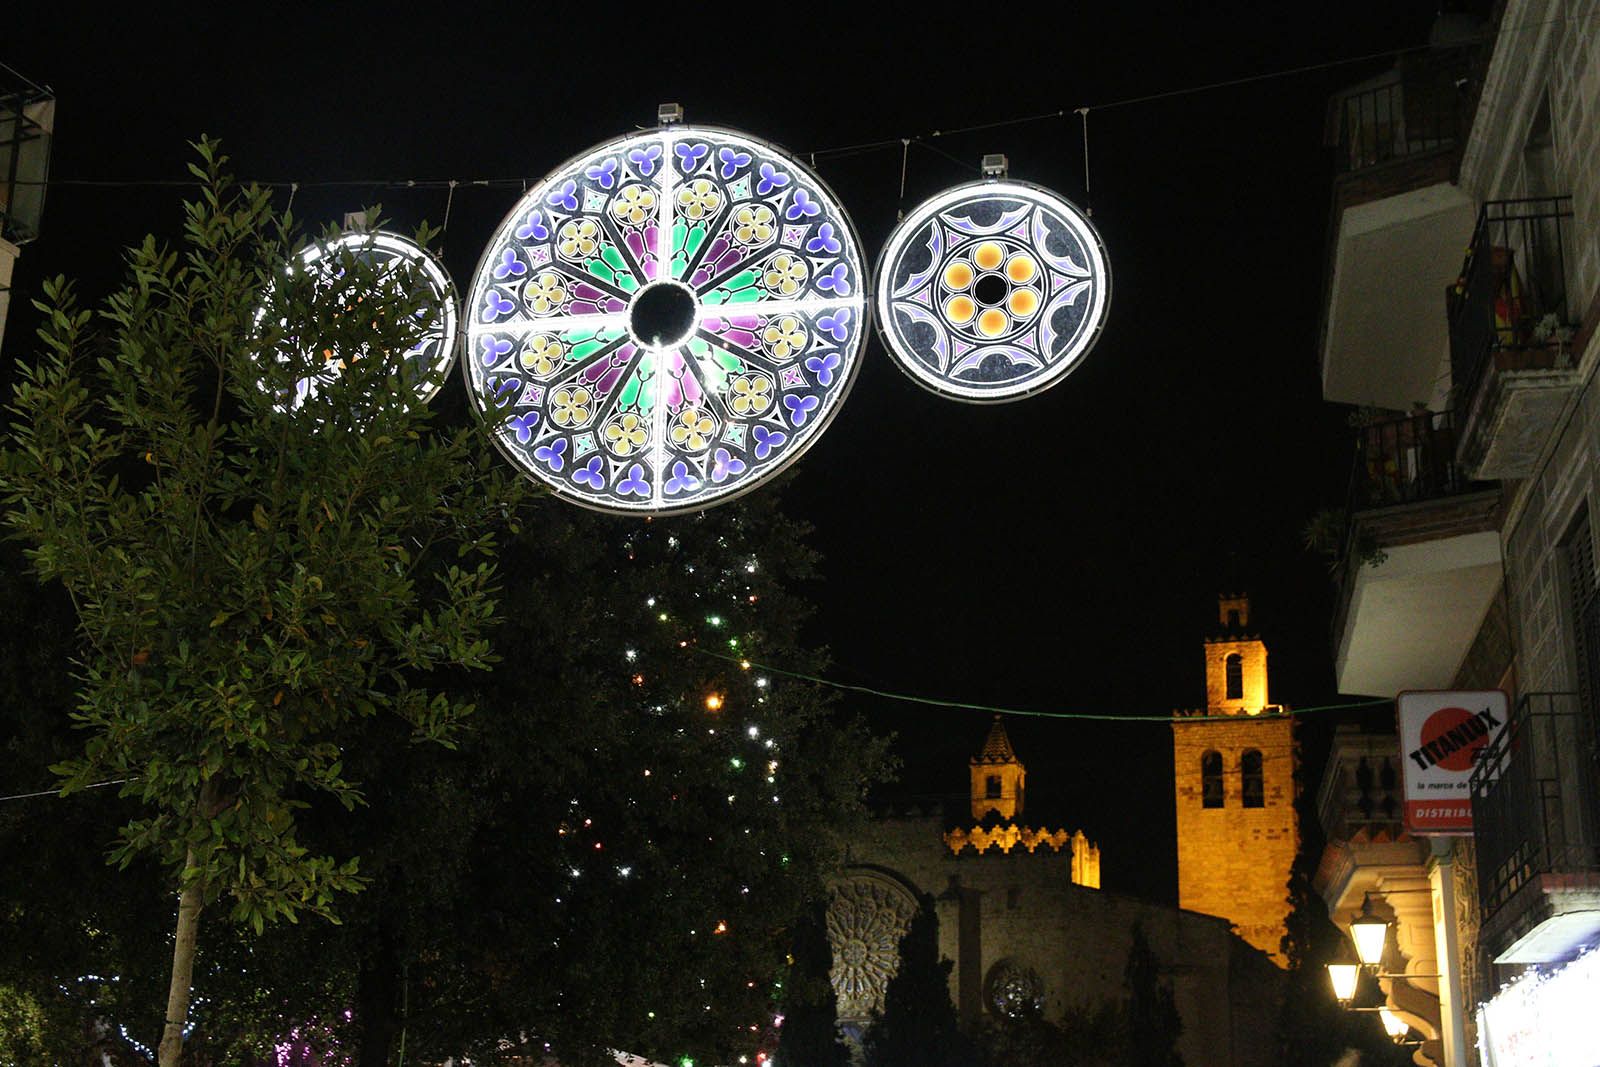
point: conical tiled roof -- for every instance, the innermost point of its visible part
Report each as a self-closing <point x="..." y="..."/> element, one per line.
<point x="997" y="748"/>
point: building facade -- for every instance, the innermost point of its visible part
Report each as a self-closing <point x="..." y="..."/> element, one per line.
<point x="1020" y="911"/>
<point x="1460" y="313"/>
<point x="1234" y="787"/>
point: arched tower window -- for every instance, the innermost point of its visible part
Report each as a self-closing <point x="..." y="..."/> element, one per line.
<point x="1253" y="787"/>
<point x="991" y="787"/>
<point x="1211" y="780"/>
<point x="1234" y="671"/>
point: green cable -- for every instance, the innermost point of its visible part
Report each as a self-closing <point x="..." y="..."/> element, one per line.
<point x="1080" y="715"/>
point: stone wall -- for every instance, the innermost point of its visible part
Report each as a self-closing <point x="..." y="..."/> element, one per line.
<point x="1021" y="910"/>
<point x="1234" y="861"/>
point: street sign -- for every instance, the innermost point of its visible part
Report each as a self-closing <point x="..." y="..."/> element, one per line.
<point x="1441" y="734"/>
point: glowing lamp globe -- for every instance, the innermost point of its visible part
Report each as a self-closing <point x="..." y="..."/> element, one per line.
<point x="1344" y="976"/>
<point x="992" y="291"/>
<point x="1369" y="933"/>
<point x="1393" y="1025"/>
<point x="666" y="321"/>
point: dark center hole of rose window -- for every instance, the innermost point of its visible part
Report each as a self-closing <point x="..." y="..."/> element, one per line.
<point x="990" y="289"/>
<point x="662" y="315"/>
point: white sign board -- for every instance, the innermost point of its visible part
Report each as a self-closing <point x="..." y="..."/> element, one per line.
<point x="1441" y="734"/>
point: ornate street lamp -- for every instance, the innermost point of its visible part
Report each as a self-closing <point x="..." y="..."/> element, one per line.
<point x="1370" y="933"/>
<point x="1344" y="972"/>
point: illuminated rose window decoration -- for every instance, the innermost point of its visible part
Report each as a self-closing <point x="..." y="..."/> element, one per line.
<point x="667" y="320"/>
<point x="426" y="364"/>
<point x="992" y="291"/>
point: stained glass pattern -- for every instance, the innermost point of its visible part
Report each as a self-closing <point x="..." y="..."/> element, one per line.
<point x="426" y="364"/>
<point x="667" y="320"/>
<point x="992" y="291"/>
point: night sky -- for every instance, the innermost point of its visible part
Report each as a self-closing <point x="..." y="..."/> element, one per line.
<point x="1061" y="553"/>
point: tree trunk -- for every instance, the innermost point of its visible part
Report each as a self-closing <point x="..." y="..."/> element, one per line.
<point x="183" y="948"/>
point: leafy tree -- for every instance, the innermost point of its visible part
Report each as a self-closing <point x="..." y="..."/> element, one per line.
<point x="1084" y="1037"/>
<point x="918" y="1025"/>
<point x="491" y="914"/>
<point x="810" y="1034"/>
<point x="1151" y="1023"/>
<point x="247" y="582"/>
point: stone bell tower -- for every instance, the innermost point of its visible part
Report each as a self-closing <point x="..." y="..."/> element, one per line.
<point x="1233" y="765"/>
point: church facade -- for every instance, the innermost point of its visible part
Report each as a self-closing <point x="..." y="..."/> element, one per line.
<point x="1021" y="914"/>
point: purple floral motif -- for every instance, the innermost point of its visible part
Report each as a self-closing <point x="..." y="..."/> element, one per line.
<point x="732" y="160"/>
<point x="534" y="228"/>
<point x="799" y="407"/>
<point x="725" y="463"/>
<point x="634" y="484"/>
<point x="823" y="366"/>
<point x="766" y="440"/>
<point x="504" y="390"/>
<point x="802" y="206"/>
<point x="824" y="241"/>
<point x="645" y="159"/>
<point x="690" y="155"/>
<point x="509" y="266"/>
<point x="604" y="175"/>
<point x="564" y="197"/>
<point x="681" y="480"/>
<point x="590" y="474"/>
<point x="771" y="178"/>
<point x="835" y="281"/>
<point x="493" y="349"/>
<point x="552" y="453"/>
<point x="495" y="305"/>
<point x="837" y="323"/>
<point x="524" y="424"/>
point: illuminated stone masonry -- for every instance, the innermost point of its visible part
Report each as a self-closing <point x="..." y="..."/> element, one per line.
<point x="867" y="916"/>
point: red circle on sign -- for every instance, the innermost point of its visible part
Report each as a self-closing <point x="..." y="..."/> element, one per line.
<point x="1443" y="721"/>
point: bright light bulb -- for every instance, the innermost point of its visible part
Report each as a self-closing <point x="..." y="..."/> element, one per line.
<point x="714" y="702"/>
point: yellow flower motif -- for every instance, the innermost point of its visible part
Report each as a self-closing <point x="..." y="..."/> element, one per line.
<point x="626" y="434"/>
<point x="693" y="429"/>
<point x="752" y="394"/>
<point x="578" y="239"/>
<point x="753" y="224"/>
<point x="569" y="407"/>
<point x="786" y="274"/>
<point x="634" y="204"/>
<point x="784" y="337"/>
<point x="545" y="293"/>
<point x="699" y="198"/>
<point x="542" y="355"/>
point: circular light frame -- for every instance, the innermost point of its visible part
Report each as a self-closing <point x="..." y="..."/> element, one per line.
<point x="389" y="250"/>
<point x="568" y="387"/>
<point x="999" y="234"/>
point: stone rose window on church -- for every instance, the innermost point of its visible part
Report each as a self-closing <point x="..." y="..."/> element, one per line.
<point x="1014" y="990"/>
<point x="1254" y="787"/>
<point x="1211" y="779"/>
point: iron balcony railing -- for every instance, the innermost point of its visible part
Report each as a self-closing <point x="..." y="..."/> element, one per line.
<point x="1406" y="459"/>
<point x="1510" y="306"/>
<point x="1423" y="105"/>
<point x="1534" y="805"/>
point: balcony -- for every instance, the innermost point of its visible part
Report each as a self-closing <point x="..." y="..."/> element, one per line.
<point x="1420" y="562"/>
<point x="1397" y="216"/>
<point x="1536" y="816"/>
<point x="1511" y="328"/>
<point x="27" y="115"/>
